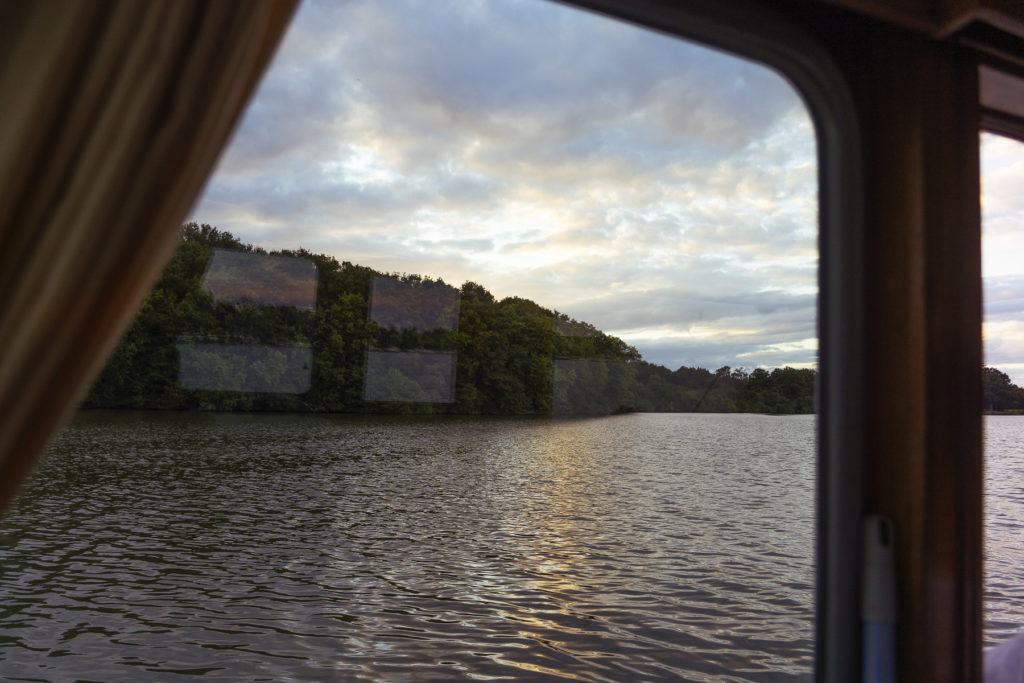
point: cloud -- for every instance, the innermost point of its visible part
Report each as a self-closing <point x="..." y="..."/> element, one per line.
<point x="618" y="175"/>
<point x="715" y="353"/>
<point x="1002" y="165"/>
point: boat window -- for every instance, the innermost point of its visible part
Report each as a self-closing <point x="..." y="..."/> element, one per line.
<point x="1002" y="164"/>
<point x="489" y="351"/>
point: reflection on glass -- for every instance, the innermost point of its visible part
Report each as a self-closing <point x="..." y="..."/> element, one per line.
<point x="588" y="386"/>
<point x="414" y="304"/>
<point x="410" y="376"/>
<point x="417" y="313"/>
<point x="242" y="278"/>
<point x="250" y="288"/>
<point x="262" y="369"/>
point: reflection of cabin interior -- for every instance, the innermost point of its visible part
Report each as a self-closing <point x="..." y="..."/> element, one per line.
<point x="115" y="113"/>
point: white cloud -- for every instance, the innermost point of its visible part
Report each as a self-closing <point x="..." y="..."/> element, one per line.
<point x="1002" y="174"/>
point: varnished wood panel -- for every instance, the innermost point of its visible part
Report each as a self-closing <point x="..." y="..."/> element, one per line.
<point x="917" y="104"/>
<point x="941" y="18"/>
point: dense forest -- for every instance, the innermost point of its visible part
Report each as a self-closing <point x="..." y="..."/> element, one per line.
<point x="232" y="327"/>
<point x="1001" y="395"/>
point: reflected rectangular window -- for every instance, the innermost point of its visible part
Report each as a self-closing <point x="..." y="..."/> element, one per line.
<point x="410" y="376"/>
<point x="420" y="305"/>
<point x="240" y="278"/>
<point x="263" y="369"/>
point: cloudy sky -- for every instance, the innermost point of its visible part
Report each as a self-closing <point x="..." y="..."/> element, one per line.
<point x="1002" y="211"/>
<point x="663" y="192"/>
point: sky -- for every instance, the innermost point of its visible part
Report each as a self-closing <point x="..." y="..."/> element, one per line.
<point x="1002" y="253"/>
<point x="661" y="191"/>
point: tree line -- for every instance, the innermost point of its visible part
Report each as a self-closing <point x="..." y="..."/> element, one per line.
<point x="1001" y="394"/>
<point x="357" y="340"/>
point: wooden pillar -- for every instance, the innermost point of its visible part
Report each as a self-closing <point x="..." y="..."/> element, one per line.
<point x="916" y="102"/>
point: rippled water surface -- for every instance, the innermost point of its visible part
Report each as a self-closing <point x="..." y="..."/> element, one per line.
<point x="1004" y="527"/>
<point x="239" y="547"/>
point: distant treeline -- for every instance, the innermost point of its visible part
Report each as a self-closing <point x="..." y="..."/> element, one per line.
<point x="1001" y="395"/>
<point x="373" y="342"/>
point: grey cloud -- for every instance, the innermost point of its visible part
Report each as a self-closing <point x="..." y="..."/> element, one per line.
<point x="682" y="309"/>
<point x="673" y="354"/>
<point x="566" y="113"/>
<point x="1001" y="289"/>
<point x="439" y="73"/>
<point x="456" y="246"/>
<point x="1003" y="302"/>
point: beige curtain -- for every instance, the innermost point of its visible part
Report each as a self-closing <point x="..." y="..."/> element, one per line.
<point x="112" y="115"/>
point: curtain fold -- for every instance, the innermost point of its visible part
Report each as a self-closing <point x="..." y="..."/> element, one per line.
<point x="114" y="114"/>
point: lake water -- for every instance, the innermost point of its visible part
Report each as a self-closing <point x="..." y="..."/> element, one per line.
<point x="1004" y="527"/>
<point x="273" y="547"/>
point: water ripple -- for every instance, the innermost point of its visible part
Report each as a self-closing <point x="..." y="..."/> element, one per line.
<point x="1004" y="517"/>
<point x="235" y="547"/>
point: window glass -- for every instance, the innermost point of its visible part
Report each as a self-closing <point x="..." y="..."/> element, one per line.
<point x="1002" y="176"/>
<point x="489" y="351"/>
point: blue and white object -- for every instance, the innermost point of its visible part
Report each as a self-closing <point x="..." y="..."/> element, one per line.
<point x="878" y="606"/>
